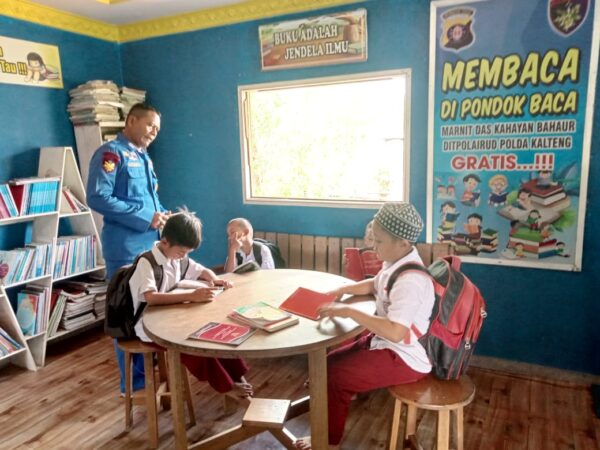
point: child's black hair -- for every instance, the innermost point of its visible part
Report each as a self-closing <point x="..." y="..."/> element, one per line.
<point x="475" y="216"/>
<point x="183" y="229"/>
<point x="473" y="176"/>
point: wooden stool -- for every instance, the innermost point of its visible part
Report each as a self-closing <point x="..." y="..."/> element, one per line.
<point x="431" y="393"/>
<point x="152" y="394"/>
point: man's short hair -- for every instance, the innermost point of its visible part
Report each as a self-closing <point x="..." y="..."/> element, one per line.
<point x="140" y="110"/>
<point x="183" y="229"/>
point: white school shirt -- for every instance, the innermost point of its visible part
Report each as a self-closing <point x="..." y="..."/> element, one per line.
<point x="410" y="302"/>
<point x="265" y="253"/>
<point x="143" y="281"/>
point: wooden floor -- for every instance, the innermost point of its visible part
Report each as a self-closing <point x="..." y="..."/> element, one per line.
<point x="73" y="403"/>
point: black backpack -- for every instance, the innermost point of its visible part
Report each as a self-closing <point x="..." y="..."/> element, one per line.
<point x="120" y="320"/>
<point x="273" y="248"/>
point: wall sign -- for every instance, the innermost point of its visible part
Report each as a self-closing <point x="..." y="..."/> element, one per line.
<point x="29" y="63"/>
<point x="512" y="85"/>
<point x="331" y="39"/>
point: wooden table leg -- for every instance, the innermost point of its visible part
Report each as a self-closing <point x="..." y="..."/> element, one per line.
<point x="317" y="374"/>
<point x="177" y="408"/>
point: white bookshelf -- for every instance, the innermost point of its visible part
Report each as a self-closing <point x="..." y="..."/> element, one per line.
<point x="54" y="162"/>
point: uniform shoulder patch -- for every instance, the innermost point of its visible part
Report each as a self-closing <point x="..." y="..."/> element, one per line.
<point x="110" y="161"/>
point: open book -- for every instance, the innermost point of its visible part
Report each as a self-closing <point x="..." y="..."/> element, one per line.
<point x="263" y="316"/>
<point x="249" y="266"/>
<point x="361" y="263"/>
<point x="184" y="286"/>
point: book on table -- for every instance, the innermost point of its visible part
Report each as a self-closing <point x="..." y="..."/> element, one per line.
<point x="223" y="333"/>
<point x="186" y="286"/>
<point x="306" y="302"/>
<point x="264" y="316"/>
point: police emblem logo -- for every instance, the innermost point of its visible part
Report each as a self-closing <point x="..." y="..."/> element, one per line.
<point x="566" y="16"/>
<point x="457" y="31"/>
<point x="110" y="161"/>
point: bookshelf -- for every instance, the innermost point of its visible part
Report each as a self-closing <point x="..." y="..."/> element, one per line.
<point x="49" y="227"/>
<point x="88" y="137"/>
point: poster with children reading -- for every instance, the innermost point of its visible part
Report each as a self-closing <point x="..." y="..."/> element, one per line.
<point x="510" y="116"/>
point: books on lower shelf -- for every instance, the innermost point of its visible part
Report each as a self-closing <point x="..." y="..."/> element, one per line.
<point x="305" y="302"/>
<point x="32" y="308"/>
<point x="223" y="333"/>
<point x="264" y="316"/>
<point x="78" y="310"/>
<point x="74" y="254"/>
<point x="7" y="344"/>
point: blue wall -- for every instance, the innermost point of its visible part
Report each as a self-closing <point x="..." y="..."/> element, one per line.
<point x="536" y="316"/>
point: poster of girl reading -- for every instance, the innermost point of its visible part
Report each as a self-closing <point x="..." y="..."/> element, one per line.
<point x="510" y="119"/>
<point x="29" y="63"/>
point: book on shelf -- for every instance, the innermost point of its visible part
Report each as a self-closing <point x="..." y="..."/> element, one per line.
<point x="223" y="333"/>
<point x="7" y="344"/>
<point x="305" y="302"/>
<point x="361" y="263"/>
<point x="264" y="316"/>
<point x="248" y="266"/>
<point x="70" y="203"/>
<point x="8" y="201"/>
<point x="27" y="313"/>
<point x="34" y="195"/>
<point x="56" y="312"/>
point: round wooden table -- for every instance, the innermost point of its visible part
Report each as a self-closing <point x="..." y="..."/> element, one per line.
<point x="170" y="325"/>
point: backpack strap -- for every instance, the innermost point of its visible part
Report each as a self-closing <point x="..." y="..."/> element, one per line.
<point x="158" y="277"/>
<point x="257" y="251"/>
<point x="390" y="284"/>
<point x="184" y="265"/>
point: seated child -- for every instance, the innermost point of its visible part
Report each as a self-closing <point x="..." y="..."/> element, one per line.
<point x="391" y="353"/>
<point x="182" y="234"/>
<point x="241" y="243"/>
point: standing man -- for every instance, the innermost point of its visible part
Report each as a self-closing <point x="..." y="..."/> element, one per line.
<point x="122" y="186"/>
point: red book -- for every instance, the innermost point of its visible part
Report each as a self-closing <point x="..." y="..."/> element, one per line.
<point x="223" y="333"/>
<point x="304" y="302"/>
<point x="361" y="263"/>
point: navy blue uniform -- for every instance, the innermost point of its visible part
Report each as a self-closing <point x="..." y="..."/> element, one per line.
<point x="122" y="186"/>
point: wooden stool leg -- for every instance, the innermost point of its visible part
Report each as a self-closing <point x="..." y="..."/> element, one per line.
<point x="443" y="430"/>
<point x="128" y="391"/>
<point x="163" y="377"/>
<point x="151" y="400"/>
<point x="458" y="413"/>
<point x="188" y="396"/>
<point x="411" y="421"/>
<point x="395" y="425"/>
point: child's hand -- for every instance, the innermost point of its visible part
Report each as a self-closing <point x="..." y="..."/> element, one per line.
<point x="337" y="292"/>
<point x="225" y="284"/>
<point x="235" y="241"/>
<point x="334" y="310"/>
<point x="200" y="295"/>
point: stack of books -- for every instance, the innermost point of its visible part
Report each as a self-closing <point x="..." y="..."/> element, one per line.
<point x="532" y="243"/>
<point x="20" y="264"/>
<point x="489" y="240"/>
<point x="93" y="285"/>
<point x="74" y="254"/>
<point x="551" y="196"/>
<point x="264" y="316"/>
<point x="79" y="310"/>
<point x="131" y="96"/>
<point x="7" y="344"/>
<point x="95" y="101"/>
<point x="33" y="195"/>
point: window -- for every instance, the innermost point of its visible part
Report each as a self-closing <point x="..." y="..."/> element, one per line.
<point x="338" y="141"/>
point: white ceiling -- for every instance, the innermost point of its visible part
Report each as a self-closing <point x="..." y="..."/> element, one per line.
<point x="121" y="12"/>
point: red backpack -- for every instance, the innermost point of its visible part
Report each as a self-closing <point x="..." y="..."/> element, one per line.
<point x="456" y="318"/>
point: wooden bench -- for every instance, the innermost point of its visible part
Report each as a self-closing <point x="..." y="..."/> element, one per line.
<point x="325" y="253"/>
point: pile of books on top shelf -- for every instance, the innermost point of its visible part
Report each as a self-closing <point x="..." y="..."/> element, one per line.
<point x="131" y="96"/>
<point x="7" y="344"/>
<point x="95" y="101"/>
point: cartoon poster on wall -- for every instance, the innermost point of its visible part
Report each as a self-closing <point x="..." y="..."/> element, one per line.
<point x="29" y="63"/>
<point x="511" y="108"/>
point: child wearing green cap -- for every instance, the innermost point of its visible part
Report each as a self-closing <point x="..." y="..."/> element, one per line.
<point x="391" y="353"/>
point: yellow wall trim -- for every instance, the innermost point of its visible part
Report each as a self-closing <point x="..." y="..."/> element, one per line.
<point x="249" y="10"/>
<point x="50" y="17"/>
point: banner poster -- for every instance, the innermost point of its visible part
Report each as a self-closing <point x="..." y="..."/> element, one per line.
<point x="29" y="63"/>
<point x="512" y="85"/>
<point x="331" y="39"/>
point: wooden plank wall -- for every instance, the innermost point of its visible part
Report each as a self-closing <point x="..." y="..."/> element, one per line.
<point x="325" y="253"/>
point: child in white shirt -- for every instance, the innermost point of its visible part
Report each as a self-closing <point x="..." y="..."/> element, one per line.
<point x="241" y="243"/>
<point x="182" y="234"/>
<point x="390" y="354"/>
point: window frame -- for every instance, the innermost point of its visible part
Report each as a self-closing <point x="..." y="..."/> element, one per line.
<point x="348" y="78"/>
